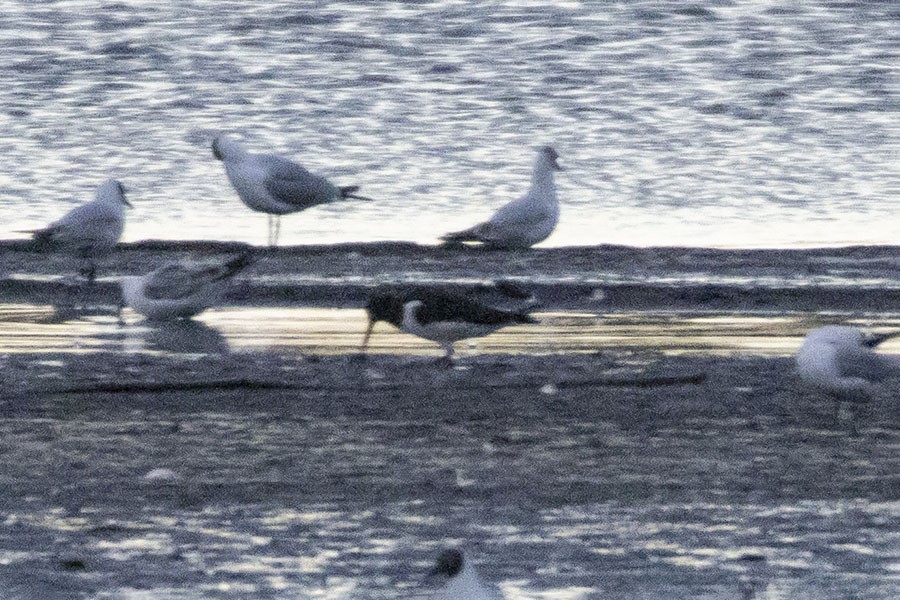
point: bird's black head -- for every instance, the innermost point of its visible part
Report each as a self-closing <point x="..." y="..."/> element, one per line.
<point x="449" y="563"/>
<point x="385" y="305"/>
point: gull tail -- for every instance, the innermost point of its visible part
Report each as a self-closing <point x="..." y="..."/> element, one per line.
<point x="43" y="238"/>
<point x="874" y="339"/>
<point x="472" y="234"/>
<point x="524" y="317"/>
<point x="235" y="266"/>
<point x="349" y="191"/>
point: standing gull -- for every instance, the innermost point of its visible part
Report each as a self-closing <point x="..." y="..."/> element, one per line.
<point x="274" y="185"/>
<point x="461" y="579"/>
<point x="524" y="222"/>
<point x="840" y="360"/>
<point x="437" y="315"/>
<point x="90" y="230"/>
<point x="177" y="291"/>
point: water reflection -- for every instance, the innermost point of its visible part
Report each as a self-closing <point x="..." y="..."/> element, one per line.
<point x="184" y="337"/>
<point x="27" y="328"/>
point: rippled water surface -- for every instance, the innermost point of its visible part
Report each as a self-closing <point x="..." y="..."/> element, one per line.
<point x="708" y="123"/>
<point x="45" y="329"/>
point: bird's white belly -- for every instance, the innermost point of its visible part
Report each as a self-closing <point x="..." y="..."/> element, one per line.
<point x="444" y="332"/>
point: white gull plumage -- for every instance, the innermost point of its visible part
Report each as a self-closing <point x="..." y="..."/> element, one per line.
<point x="524" y="222"/>
<point x="90" y="230"/>
<point x="274" y="185"/>
<point x="840" y="360"/>
<point x="178" y="291"/>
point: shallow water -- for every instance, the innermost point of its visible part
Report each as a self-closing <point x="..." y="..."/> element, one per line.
<point x="708" y="124"/>
<point x="331" y="331"/>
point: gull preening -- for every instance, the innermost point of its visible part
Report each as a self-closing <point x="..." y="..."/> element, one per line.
<point x="840" y="360"/>
<point x="461" y="581"/>
<point x="90" y="230"/>
<point x="436" y="314"/>
<point x="274" y="185"/>
<point x="524" y="222"/>
<point x="178" y="291"/>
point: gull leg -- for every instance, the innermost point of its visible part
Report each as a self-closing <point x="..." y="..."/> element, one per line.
<point x="269" y="230"/>
<point x="89" y="271"/>
<point x="277" y="227"/>
<point x="447" y="359"/>
<point x="365" y="343"/>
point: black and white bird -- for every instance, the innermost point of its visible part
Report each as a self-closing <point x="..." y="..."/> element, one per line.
<point x="436" y="314"/>
<point x="91" y="230"/>
<point x="841" y="361"/>
<point x="274" y="185"/>
<point x="524" y="222"/>
<point x="460" y="579"/>
<point x="180" y="291"/>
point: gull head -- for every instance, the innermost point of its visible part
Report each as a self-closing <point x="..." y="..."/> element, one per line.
<point x="131" y="287"/>
<point x="112" y="190"/>
<point x="837" y="336"/>
<point x="549" y="155"/>
<point x="224" y="147"/>
<point x="449" y="564"/>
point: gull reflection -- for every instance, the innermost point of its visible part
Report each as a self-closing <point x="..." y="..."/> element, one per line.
<point x="185" y="337"/>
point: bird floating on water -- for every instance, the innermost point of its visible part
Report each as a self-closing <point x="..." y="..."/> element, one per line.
<point x="274" y="185"/>
<point x="524" y="222"/>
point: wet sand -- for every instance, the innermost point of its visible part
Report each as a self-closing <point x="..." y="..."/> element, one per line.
<point x="618" y="474"/>
<point x="853" y="279"/>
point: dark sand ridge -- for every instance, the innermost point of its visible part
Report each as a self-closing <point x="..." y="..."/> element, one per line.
<point x="852" y="279"/>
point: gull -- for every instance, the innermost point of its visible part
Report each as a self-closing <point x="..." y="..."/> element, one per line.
<point x="462" y="581"/>
<point x="177" y="291"/>
<point x="271" y="184"/>
<point x="524" y="222"/>
<point x="840" y="361"/>
<point x="90" y="230"/>
<point x="436" y="314"/>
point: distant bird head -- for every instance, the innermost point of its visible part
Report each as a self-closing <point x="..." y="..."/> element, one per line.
<point x="550" y="155"/>
<point x="112" y="190"/>
<point x="449" y="563"/>
<point x="837" y="335"/>
<point x="384" y="305"/>
<point x="130" y="288"/>
<point x="223" y="147"/>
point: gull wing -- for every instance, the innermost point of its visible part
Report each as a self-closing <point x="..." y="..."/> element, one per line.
<point x="508" y="223"/>
<point x="175" y="281"/>
<point x="84" y="224"/>
<point x="862" y="363"/>
<point x="291" y="184"/>
<point x="441" y="306"/>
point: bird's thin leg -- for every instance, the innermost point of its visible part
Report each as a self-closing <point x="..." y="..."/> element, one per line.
<point x="277" y="227"/>
<point x="269" y="230"/>
<point x="89" y="271"/>
<point x="447" y="359"/>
